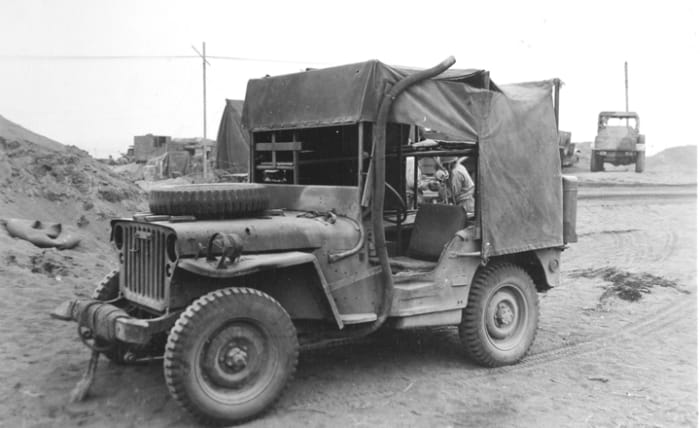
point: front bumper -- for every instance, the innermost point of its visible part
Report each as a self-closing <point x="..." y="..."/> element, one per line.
<point x="111" y="323"/>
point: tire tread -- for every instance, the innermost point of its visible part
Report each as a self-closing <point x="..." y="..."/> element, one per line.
<point x="174" y="364"/>
<point x="468" y="328"/>
<point x="209" y="201"/>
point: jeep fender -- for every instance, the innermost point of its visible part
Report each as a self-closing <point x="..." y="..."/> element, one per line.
<point x="542" y="265"/>
<point x="549" y="265"/>
<point x="250" y="264"/>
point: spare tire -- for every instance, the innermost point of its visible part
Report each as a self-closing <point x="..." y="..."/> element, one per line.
<point x="209" y="201"/>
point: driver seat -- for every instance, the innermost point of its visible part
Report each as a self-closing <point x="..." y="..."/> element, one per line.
<point x="435" y="225"/>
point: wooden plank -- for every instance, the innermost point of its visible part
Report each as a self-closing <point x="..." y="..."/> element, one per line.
<point x="279" y="165"/>
<point x="278" y="146"/>
<point x="251" y="157"/>
<point x="360" y="149"/>
<point x="328" y="160"/>
<point x="295" y="158"/>
<point x="274" y="152"/>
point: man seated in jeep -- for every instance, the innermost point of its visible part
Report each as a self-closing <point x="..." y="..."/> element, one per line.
<point x="461" y="184"/>
<point x="432" y="180"/>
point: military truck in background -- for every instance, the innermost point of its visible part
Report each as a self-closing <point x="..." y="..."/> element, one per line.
<point x="618" y="141"/>
<point x="227" y="282"/>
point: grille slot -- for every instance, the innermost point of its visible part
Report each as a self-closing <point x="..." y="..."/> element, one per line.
<point x="143" y="272"/>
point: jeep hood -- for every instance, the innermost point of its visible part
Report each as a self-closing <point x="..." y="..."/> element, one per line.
<point x="290" y="231"/>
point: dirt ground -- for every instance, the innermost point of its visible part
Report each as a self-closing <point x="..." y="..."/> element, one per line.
<point x="598" y="360"/>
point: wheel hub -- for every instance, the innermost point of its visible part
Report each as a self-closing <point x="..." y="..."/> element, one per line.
<point x="235" y="356"/>
<point x="504" y="314"/>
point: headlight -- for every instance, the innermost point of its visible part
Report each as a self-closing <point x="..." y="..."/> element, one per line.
<point x="171" y="248"/>
<point x="118" y="236"/>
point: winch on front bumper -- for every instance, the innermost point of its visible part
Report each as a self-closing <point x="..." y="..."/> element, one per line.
<point x="111" y="323"/>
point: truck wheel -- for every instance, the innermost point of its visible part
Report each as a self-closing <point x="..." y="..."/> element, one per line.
<point x="206" y="201"/>
<point x="108" y="288"/>
<point x="639" y="164"/>
<point x="230" y="355"/>
<point x="500" y="321"/>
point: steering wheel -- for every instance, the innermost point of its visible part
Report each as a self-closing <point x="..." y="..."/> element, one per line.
<point x="397" y="200"/>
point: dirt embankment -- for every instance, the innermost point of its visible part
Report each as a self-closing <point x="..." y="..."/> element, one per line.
<point x="43" y="179"/>
<point x="675" y="166"/>
<point x="679" y="159"/>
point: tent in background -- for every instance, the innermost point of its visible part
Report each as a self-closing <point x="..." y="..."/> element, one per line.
<point x="232" y="142"/>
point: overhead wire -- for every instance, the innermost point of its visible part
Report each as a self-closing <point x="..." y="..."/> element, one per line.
<point x="94" y="57"/>
<point x="137" y="57"/>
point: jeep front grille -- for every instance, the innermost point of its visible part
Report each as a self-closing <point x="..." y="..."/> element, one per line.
<point x="143" y="256"/>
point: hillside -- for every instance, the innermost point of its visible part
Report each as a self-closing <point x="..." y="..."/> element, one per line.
<point x="681" y="158"/>
<point x="672" y="166"/>
<point x="13" y="132"/>
<point x="45" y="180"/>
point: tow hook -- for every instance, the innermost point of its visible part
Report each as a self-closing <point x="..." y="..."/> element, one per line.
<point x="82" y="388"/>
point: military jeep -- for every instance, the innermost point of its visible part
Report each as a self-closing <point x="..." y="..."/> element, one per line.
<point x="618" y="141"/>
<point x="229" y="281"/>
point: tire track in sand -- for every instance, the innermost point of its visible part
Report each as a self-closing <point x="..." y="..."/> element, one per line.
<point x="645" y="247"/>
<point x="662" y="320"/>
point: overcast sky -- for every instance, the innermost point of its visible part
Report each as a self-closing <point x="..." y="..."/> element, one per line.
<point x="99" y="104"/>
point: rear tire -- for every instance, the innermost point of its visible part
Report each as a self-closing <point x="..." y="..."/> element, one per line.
<point x="641" y="160"/>
<point x="230" y="355"/>
<point x="499" y="323"/>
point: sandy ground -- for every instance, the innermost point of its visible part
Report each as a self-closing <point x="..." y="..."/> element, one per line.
<point x="597" y="360"/>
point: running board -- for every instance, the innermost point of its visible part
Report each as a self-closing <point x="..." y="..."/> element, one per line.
<point x="358" y="318"/>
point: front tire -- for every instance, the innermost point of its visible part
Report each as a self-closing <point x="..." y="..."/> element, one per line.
<point x="230" y="355"/>
<point x="500" y="321"/>
<point x="108" y="288"/>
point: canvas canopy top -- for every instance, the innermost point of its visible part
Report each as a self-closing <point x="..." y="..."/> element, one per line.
<point x="519" y="175"/>
<point x="346" y="94"/>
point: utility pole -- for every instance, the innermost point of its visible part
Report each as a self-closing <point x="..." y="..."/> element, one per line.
<point x="203" y="55"/>
<point x="627" y="104"/>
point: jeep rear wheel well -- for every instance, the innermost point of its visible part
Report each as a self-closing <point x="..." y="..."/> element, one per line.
<point x="529" y="262"/>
